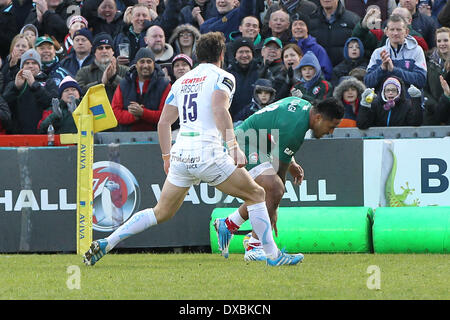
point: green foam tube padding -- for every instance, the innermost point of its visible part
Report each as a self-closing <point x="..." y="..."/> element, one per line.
<point x="310" y="229"/>
<point x="411" y="230"/>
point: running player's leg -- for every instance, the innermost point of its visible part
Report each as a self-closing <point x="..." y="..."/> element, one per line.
<point x="274" y="188"/>
<point x="240" y="184"/>
<point x="170" y="201"/>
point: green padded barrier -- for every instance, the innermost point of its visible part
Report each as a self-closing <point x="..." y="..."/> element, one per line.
<point x="411" y="230"/>
<point x="310" y="229"/>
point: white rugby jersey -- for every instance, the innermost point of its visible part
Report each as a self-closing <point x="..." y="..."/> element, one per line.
<point x="192" y="95"/>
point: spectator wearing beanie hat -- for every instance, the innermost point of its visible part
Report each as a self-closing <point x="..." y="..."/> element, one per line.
<point x="180" y="65"/>
<point x="104" y="69"/>
<point x="141" y="94"/>
<point x="60" y="115"/>
<point x="29" y="94"/>
<point x="246" y="71"/>
<point x="391" y="107"/>
<point x="80" y="55"/>
<point x="306" y="42"/>
<point x="74" y="23"/>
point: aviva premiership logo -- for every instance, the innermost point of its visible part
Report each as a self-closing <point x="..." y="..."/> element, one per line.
<point x="116" y="195"/>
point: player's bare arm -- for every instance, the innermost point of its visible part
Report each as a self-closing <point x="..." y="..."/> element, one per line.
<point x="168" y="116"/>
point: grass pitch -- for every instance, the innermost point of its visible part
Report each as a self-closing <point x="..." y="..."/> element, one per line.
<point x="203" y="276"/>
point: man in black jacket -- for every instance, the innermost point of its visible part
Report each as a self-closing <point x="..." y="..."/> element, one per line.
<point x="245" y="70"/>
<point x="331" y="24"/>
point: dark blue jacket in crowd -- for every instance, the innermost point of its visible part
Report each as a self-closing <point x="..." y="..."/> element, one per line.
<point x="245" y="79"/>
<point x="70" y="63"/>
<point x="230" y="21"/>
<point x="426" y="26"/>
<point x="310" y="44"/>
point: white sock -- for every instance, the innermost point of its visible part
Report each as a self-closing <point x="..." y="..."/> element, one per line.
<point x="259" y="218"/>
<point x="255" y="243"/>
<point x="139" y="222"/>
<point x="236" y="218"/>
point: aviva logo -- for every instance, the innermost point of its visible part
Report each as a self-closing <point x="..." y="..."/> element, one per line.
<point x="98" y="112"/>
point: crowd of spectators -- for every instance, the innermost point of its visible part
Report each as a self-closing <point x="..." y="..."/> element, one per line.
<point x="387" y="61"/>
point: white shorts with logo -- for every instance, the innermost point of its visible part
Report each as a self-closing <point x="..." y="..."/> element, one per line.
<point x="259" y="169"/>
<point x="189" y="166"/>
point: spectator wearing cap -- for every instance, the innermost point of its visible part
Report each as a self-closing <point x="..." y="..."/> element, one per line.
<point x="331" y="24"/>
<point x="29" y="94"/>
<point x="139" y="98"/>
<point x="245" y="70"/>
<point x="181" y="64"/>
<point x="60" y="115"/>
<point x="183" y="40"/>
<point x="80" y="55"/>
<point x="249" y="28"/>
<point x="104" y="69"/>
<point x="228" y="16"/>
<point x="74" y="23"/>
<point x="306" y="42"/>
<point x="271" y="58"/>
<point x="45" y="46"/>
<point x="279" y="26"/>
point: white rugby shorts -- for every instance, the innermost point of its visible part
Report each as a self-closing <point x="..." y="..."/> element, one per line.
<point x="211" y="164"/>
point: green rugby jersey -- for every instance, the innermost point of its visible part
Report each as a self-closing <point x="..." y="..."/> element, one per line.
<point x="278" y="130"/>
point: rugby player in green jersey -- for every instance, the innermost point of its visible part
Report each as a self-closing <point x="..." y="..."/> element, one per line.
<point x="270" y="138"/>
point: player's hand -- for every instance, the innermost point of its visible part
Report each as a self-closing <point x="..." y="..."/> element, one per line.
<point x="166" y="165"/>
<point x="238" y="156"/>
<point x="296" y="172"/>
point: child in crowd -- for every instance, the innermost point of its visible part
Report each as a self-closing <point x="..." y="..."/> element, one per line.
<point x="263" y="94"/>
<point x="392" y="108"/>
<point x="353" y="58"/>
<point x="312" y="86"/>
<point x="349" y="92"/>
<point x="60" y="115"/>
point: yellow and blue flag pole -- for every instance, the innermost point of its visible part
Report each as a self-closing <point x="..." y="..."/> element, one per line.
<point x="93" y="114"/>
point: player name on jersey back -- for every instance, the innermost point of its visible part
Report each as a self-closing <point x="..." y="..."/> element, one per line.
<point x="191" y="85"/>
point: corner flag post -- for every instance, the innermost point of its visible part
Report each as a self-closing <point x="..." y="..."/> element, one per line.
<point x="85" y="160"/>
<point x="93" y="114"/>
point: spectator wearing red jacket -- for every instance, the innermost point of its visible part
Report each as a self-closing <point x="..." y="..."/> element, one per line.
<point x="139" y="98"/>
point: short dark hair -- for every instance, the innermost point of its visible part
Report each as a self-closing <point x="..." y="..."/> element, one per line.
<point x="330" y="108"/>
<point x="209" y="47"/>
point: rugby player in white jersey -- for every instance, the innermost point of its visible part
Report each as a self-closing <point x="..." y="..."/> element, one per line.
<point x="201" y="99"/>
